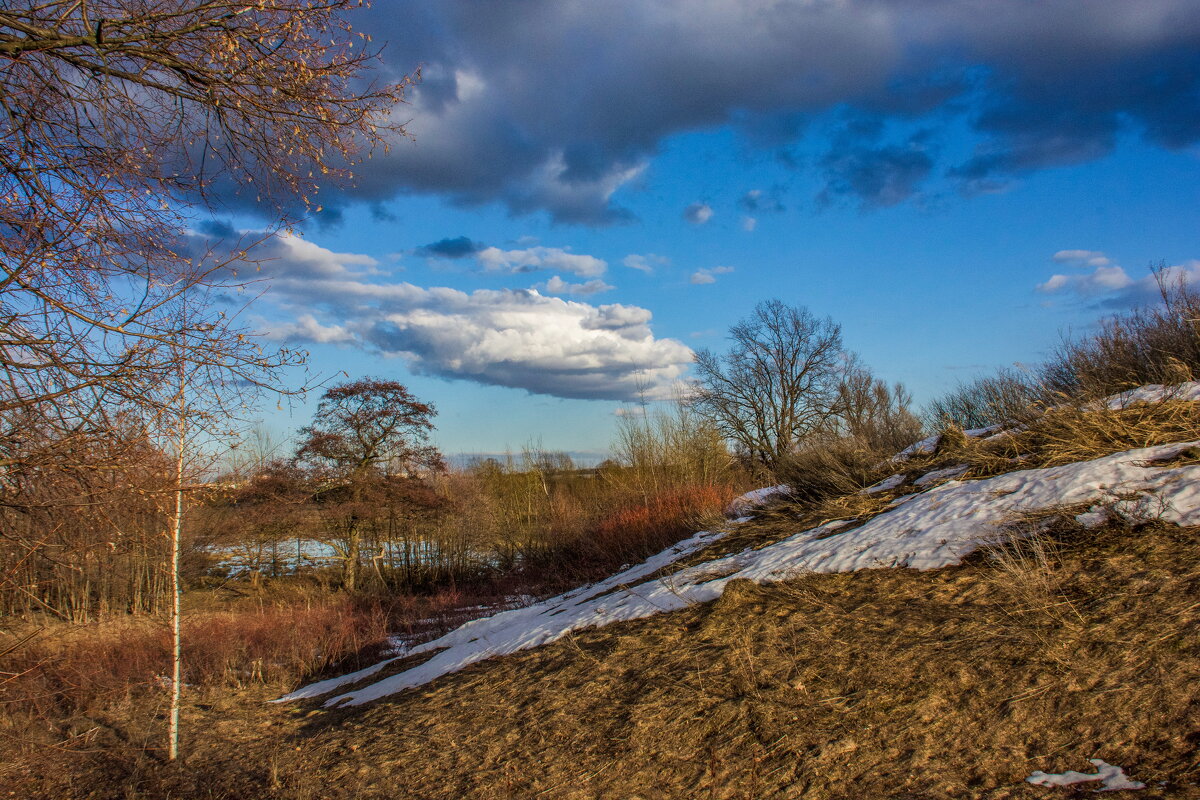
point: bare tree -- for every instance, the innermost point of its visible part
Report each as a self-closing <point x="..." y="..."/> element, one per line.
<point x="872" y="413"/>
<point x="368" y="445"/>
<point x="116" y="118"/>
<point x="777" y="384"/>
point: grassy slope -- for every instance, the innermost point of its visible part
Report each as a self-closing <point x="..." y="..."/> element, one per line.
<point x="883" y="683"/>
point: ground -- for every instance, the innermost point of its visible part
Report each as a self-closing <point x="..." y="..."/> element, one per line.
<point x="952" y="683"/>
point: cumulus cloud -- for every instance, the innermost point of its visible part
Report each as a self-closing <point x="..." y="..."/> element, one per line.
<point x="540" y="116"/>
<point x="557" y="285"/>
<point x="516" y="338"/>
<point x="525" y="340"/>
<point x="539" y="258"/>
<point x="1100" y="280"/>
<point x="305" y="328"/>
<point x="708" y="275"/>
<point x="252" y="255"/>
<point x="1109" y="286"/>
<point x="698" y="213"/>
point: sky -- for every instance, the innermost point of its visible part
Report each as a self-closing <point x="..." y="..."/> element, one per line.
<point x="590" y="192"/>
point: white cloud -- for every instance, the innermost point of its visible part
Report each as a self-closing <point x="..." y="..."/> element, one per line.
<point x="708" y="275"/>
<point x="1082" y="258"/>
<point x="698" y="213"/>
<point x="749" y="224"/>
<point x="645" y="263"/>
<point x="1098" y="281"/>
<point x="1108" y="285"/>
<point x="522" y="339"/>
<point x="538" y="258"/>
<point x="252" y="255"/>
<point x="516" y="338"/>
<point x="557" y="285"/>
<point x="306" y="328"/>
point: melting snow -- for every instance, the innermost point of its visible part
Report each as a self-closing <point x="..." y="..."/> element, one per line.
<point x="752" y="500"/>
<point x="932" y="529"/>
<point x="885" y="485"/>
<point x="1113" y="778"/>
<point x="941" y="474"/>
<point x="1154" y="393"/>
<point x="921" y="448"/>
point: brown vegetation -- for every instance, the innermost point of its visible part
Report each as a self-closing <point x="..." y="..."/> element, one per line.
<point x="957" y="683"/>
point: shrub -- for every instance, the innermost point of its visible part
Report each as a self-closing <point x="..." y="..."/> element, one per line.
<point x="995" y="399"/>
<point x="830" y="469"/>
<point x="1153" y="344"/>
<point x="74" y="670"/>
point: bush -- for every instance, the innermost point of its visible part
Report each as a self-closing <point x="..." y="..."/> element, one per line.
<point x="831" y="469"/>
<point x="1153" y="344"/>
<point x="992" y="400"/>
<point x="75" y="670"/>
<point x="646" y="528"/>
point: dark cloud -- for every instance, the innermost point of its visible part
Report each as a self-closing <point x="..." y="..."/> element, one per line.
<point x="554" y="105"/>
<point x="458" y="247"/>
<point x="874" y="174"/>
<point x="217" y="229"/>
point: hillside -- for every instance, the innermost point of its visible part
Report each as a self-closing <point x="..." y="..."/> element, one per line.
<point x="997" y="605"/>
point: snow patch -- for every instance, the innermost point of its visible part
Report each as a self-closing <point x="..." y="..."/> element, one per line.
<point x="922" y="448"/>
<point x="885" y="485"/>
<point x="929" y="530"/>
<point x="1153" y="393"/>
<point x="1113" y="778"/>
<point x="941" y="474"/>
<point x="752" y="500"/>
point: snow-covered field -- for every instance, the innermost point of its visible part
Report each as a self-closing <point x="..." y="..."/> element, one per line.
<point x="934" y="528"/>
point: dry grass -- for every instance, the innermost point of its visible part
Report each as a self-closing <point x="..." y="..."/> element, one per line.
<point x="957" y="683"/>
<point x="1052" y="647"/>
<point x="1062" y="435"/>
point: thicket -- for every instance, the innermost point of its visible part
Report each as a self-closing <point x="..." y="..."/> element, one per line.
<point x="1157" y="343"/>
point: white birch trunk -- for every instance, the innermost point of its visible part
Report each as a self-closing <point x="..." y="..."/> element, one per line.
<point x="176" y="595"/>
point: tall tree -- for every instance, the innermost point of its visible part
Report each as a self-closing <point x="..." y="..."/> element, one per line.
<point x="777" y="384"/>
<point x="369" y="444"/>
<point x="120" y="121"/>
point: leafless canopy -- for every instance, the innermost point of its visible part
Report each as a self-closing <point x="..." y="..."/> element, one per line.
<point x="777" y="384"/>
<point x="116" y="117"/>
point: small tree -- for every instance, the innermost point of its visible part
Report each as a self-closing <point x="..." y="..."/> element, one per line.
<point x="876" y="416"/>
<point x="777" y="385"/>
<point x="367" y="447"/>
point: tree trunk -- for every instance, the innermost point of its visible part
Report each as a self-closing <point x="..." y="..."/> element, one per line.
<point x="176" y="598"/>
<point x="350" y="566"/>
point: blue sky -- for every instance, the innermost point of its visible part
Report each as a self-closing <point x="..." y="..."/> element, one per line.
<point x="589" y="195"/>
